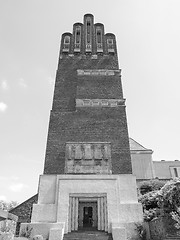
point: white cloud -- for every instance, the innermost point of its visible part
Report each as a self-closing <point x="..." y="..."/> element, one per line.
<point x="17" y="187"/>
<point x="14" y="178"/>
<point x="3" y="107"/>
<point x="2" y="197"/>
<point x="4" y="85"/>
<point x="22" y="83"/>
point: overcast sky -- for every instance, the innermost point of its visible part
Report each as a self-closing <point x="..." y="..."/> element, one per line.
<point x="148" y="39"/>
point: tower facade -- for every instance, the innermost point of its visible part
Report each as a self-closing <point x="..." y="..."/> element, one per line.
<point x="88" y="127"/>
<point x="87" y="180"/>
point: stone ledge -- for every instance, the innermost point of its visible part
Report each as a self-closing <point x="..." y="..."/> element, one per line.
<point x="100" y="102"/>
<point x="98" y="72"/>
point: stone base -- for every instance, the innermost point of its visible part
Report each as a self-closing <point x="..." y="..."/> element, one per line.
<point x="125" y="230"/>
<point x="56" y="233"/>
<point x="61" y="198"/>
<point x="47" y="230"/>
<point x="119" y="233"/>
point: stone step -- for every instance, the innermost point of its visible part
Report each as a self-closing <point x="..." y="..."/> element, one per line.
<point x="172" y="238"/>
<point x="89" y="235"/>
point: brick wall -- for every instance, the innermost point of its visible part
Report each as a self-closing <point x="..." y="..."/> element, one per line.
<point x="88" y="125"/>
<point x="23" y="211"/>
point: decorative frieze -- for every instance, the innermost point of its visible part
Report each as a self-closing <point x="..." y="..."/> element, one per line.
<point x="99" y="102"/>
<point x="98" y="72"/>
<point x="88" y="158"/>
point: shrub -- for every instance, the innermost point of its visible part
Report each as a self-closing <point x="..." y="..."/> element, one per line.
<point x="151" y="185"/>
<point x="26" y="232"/>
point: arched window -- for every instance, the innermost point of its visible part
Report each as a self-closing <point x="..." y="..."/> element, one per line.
<point x="88" y="35"/>
<point x="99" y="40"/>
<point x="77" y="39"/>
<point x="110" y="45"/>
<point x="66" y="44"/>
<point x="88" y="31"/>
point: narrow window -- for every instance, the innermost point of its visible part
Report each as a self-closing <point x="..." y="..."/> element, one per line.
<point x="99" y="36"/>
<point x="88" y="32"/>
<point x="110" y="45"/>
<point x="66" y="44"/>
<point x="88" y="35"/>
<point x="77" y="39"/>
<point x="78" y="35"/>
<point x="99" y="40"/>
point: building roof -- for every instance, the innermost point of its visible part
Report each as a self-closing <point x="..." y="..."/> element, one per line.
<point x="6" y="215"/>
<point x="135" y="146"/>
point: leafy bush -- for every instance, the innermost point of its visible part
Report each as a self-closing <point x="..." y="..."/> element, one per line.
<point x="26" y="232"/>
<point x="7" y="205"/>
<point x="141" y="231"/>
<point x="151" y="185"/>
<point x="165" y="200"/>
<point x="9" y="226"/>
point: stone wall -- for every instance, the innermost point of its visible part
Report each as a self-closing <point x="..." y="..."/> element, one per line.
<point x="23" y="211"/>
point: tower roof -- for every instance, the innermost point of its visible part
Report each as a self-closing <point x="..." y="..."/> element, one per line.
<point x="88" y="38"/>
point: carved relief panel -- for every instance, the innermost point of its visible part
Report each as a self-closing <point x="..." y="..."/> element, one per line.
<point x="88" y="158"/>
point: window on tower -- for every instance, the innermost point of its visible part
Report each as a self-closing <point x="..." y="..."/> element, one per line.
<point x="110" y="45"/>
<point x="88" y="35"/>
<point x="66" y="45"/>
<point x="99" y="40"/>
<point x="77" y="39"/>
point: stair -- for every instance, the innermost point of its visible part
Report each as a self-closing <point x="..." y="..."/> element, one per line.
<point x="88" y="235"/>
<point x="172" y="237"/>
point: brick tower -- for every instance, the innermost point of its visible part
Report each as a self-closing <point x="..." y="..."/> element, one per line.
<point x="88" y="119"/>
<point x="87" y="180"/>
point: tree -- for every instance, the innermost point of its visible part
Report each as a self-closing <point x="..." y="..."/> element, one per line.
<point x="151" y="185"/>
<point x="165" y="200"/>
<point x="7" y="205"/>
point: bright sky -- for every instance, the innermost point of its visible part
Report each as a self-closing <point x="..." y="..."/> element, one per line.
<point x="148" y="39"/>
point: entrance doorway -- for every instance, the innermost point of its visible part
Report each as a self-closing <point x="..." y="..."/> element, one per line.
<point x="88" y="217"/>
<point x="88" y="211"/>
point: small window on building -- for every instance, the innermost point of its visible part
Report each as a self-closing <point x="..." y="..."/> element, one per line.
<point x="66" y="44"/>
<point x="110" y="45"/>
<point x="77" y="39"/>
<point x="88" y="35"/>
<point x="78" y="35"/>
<point x="110" y="41"/>
<point x="99" y="39"/>
<point x="99" y="36"/>
<point x="88" y="31"/>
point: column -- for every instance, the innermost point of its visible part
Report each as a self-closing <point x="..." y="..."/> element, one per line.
<point x="73" y="214"/>
<point x="105" y="215"/>
<point x="99" y="213"/>
<point x="76" y="214"/>
<point x="102" y="213"/>
<point x="70" y="214"/>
